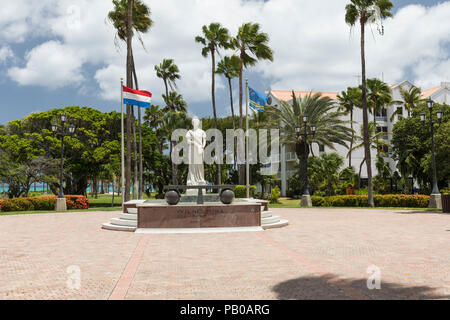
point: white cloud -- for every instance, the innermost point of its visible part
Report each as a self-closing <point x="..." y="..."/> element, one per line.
<point x="313" y="46"/>
<point x="51" y="64"/>
<point x="6" y="53"/>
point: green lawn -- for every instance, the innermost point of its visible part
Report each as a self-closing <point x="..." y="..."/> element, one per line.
<point x="104" y="200"/>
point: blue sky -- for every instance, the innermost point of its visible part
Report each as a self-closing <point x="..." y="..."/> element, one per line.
<point x="55" y="54"/>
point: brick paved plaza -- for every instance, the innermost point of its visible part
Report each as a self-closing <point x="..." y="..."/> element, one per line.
<point x="322" y="254"/>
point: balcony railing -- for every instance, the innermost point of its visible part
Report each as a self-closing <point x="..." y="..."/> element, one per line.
<point x="381" y="119"/>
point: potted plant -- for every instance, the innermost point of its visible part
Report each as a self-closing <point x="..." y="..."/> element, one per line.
<point x="445" y="200"/>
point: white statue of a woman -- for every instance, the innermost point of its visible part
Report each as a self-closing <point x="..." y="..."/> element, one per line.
<point x="196" y="139"/>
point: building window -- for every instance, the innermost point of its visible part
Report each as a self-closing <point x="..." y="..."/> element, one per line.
<point x="400" y="111"/>
<point x="385" y="151"/>
<point x="383" y="113"/>
<point x="321" y="148"/>
<point x="382" y="129"/>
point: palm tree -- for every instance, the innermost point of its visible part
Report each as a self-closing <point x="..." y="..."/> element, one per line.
<point x="214" y="37"/>
<point x="364" y="12"/>
<point x="251" y="45"/>
<point x="229" y="67"/>
<point x="331" y="129"/>
<point x="348" y="100"/>
<point x="411" y="99"/>
<point x="129" y="17"/>
<point x="376" y="142"/>
<point x="141" y="22"/>
<point x="379" y="94"/>
<point x="168" y="71"/>
<point x="175" y="102"/>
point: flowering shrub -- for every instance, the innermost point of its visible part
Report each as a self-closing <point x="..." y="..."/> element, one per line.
<point x="386" y="200"/>
<point x="42" y="203"/>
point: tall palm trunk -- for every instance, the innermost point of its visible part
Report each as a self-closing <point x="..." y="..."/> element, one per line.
<point x="130" y="85"/>
<point x="241" y="169"/>
<point x="141" y="184"/>
<point x="232" y="118"/>
<point x="213" y="95"/>
<point x="231" y="102"/>
<point x="365" y="115"/>
<point x="135" y="163"/>
<point x="167" y="93"/>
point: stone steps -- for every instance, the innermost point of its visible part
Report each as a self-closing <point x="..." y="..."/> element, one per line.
<point x="266" y="214"/>
<point x="132" y="210"/>
<point x="270" y="220"/>
<point x="128" y="216"/>
<point x="123" y="222"/>
<point x="279" y="224"/>
<point x="109" y="226"/>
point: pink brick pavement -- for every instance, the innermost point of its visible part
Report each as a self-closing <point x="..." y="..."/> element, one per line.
<point x="322" y="254"/>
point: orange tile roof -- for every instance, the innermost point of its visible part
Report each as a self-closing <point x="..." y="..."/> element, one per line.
<point x="429" y="92"/>
<point x="287" y="95"/>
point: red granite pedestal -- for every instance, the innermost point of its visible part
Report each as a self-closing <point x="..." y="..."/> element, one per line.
<point x="199" y="216"/>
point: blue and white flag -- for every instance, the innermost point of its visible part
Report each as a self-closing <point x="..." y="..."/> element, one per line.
<point x="257" y="100"/>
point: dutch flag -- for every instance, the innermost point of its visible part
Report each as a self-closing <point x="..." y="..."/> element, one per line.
<point x="138" y="98"/>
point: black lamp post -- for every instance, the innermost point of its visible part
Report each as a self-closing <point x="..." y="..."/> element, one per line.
<point x="306" y="198"/>
<point x="62" y="133"/>
<point x="423" y="118"/>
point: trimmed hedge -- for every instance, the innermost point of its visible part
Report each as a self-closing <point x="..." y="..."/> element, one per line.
<point x="385" y="200"/>
<point x="42" y="203"/>
<point x="241" y="191"/>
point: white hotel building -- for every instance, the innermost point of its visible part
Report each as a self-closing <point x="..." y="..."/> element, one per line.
<point x="439" y="94"/>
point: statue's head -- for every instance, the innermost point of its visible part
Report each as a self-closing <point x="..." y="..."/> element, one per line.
<point x="195" y="123"/>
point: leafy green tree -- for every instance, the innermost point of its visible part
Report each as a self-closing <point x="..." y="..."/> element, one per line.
<point x="324" y="171"/>
<point x="331" y="129"/>
<point x="411" y="144"/>
<point x="382" y="179"/>
<point x="95" y="139"/>
<point x="251" y="45"/>
<point x="366" y="12"/>
<point x="348" y="101"/>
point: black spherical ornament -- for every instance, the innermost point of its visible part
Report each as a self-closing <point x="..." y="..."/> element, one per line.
<point x="172" y="197"/>
<point x="227" y="196"/>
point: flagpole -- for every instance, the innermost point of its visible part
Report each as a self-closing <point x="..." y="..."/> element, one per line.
<point x="247" y="166"/>
<point x="122" y="144"/>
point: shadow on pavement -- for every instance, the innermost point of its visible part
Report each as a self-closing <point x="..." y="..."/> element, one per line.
<point x="331" y="287"/>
